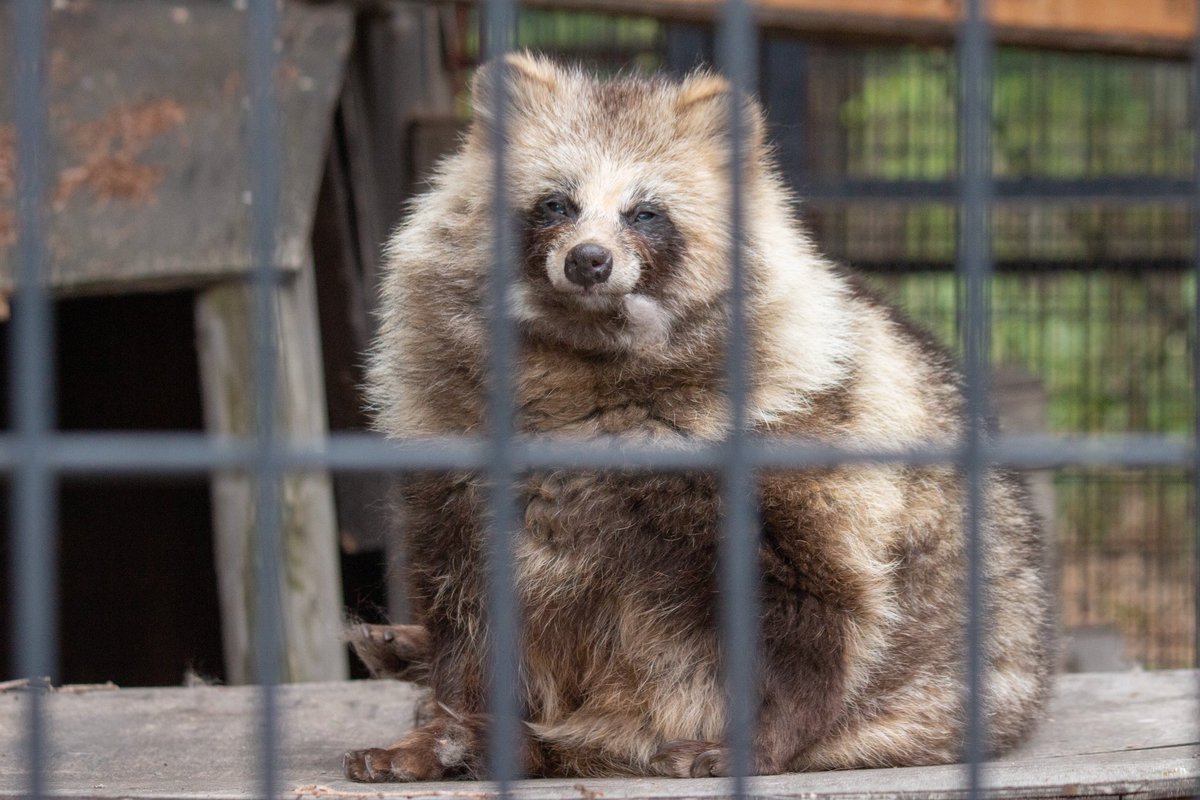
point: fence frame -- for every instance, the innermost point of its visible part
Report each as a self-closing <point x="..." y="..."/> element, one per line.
<point x="35" y="455"/>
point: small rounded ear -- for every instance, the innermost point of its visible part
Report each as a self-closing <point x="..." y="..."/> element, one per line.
<point x="532" y="80"/>
<point x="703" y="110"/>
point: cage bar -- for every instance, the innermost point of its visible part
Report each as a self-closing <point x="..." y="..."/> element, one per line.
<point x="503" y="625"/>
<point x="975" y="272"/>
<point x="97" y="453"/>
<point x="265" y="182"/>
<point x="738" y="551"/>
<point x="1195" y="466"/>
<point x="34" y="564"/>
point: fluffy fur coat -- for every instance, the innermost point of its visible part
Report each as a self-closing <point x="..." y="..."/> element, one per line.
<point x="622" y="192"/>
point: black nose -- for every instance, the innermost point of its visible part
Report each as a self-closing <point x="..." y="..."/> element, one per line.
<point x="588" y="264"/>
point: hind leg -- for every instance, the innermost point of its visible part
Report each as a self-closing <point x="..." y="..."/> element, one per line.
<point x="399" y="652"/>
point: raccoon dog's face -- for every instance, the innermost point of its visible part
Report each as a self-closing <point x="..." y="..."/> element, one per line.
<point x="621" y="189"/>
<point x="591" y="244"/>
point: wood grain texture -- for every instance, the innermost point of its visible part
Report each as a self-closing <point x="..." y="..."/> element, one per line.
<point x="1162" y="27"/>
<point x="148" y="172"/>
<point x="1167" y="19"/>
<point x="1109" y="735"/>
<point x="310" y="573"/>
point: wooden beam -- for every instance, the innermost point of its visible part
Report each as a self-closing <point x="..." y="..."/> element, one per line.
<point x="310" y="583"/>
<point x="1172" y="20"/>
<point x="1160" y="27"/>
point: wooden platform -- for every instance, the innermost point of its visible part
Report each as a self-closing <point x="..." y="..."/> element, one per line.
<point x="1107" y="735"/>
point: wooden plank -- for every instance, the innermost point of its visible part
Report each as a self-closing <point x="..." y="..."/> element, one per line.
<point x="148" y="162"/>
<point x="1126" y="735"/>
<point x="1161" y="27"/>
<point x="1023" y="407"/>
<point x="310" y="580"/>
<point x="1160" y="19"/>
<point x="396" y="73"/>
<point x="1150" y="19"/>
<point x="399" y="72"/>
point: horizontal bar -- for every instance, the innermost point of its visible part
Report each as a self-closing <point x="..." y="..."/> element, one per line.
<point x="1129" y="189"/>
<point x="195" y="453"/>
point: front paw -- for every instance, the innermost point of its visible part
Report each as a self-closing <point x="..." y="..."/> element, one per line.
<point x="443" y="748"/>
<point x="687" y="758"/>
<point x="399" y="764"/>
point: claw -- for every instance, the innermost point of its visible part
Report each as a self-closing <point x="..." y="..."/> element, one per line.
<point x="689" y="758"/>
<point x="710" y="764"/>
<point x="357" y="766"/>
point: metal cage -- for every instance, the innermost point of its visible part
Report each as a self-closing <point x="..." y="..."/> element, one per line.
<point x="34" y="455"/>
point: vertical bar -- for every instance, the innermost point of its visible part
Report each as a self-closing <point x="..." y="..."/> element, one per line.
<point x="503" y="645"/>
<point x="34" y="564"/>
<point x="264" y="145"/>
<point x="975" y="268"/>
<point x="739" y="540"/>
<point x="1195" y="92"/>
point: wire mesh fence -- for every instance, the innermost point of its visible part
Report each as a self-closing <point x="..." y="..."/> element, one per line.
<point x="1092" y="243"/>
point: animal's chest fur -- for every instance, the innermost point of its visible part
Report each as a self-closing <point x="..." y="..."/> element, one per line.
<point x="616" y="575"/>
<point x="616" y="570"/>
<point x="567" y="395"/>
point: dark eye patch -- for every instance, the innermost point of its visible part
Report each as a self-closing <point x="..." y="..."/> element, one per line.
<point x="552" y="209"/>
<point x="543" y="226"/>
<point x="659" y="244"/>
<point x="647" y="216"/>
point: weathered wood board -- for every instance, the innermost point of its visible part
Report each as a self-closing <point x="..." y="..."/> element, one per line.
<point x="310" y="578"/>
<point x="1107" y="735"/>
<point x="1162" y="27"/>
<point x="148" y="179"/>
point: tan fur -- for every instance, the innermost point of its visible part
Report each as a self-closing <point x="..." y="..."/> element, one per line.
<point x="863" y="575"/>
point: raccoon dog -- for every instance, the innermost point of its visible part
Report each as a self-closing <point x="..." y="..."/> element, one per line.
<point x="622" y="190"/>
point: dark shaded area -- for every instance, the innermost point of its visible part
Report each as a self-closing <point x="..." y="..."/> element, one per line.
<point x="137" y="582"/>
<point x="364" y="594"/>
<point x="138" y="596"/>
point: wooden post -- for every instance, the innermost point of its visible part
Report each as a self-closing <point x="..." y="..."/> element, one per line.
<point x="311" y="576"/>
<point x="1024" y="407"/>
<point x="396" y="82"/>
